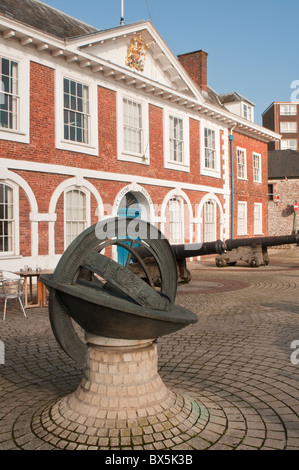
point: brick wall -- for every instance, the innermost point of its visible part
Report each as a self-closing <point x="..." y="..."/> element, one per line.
<point x="269" y="123"/>
<point x="195" y="64"/>
<point x="24" y="224"/>
<point x="248" y="190"/>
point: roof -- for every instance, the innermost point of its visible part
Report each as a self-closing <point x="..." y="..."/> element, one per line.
<point x="41" y="18"/>
<point x="232" y="97"/>
<point x="283" y="164"/>
<point x="212" y="97"/>
<point x="47" y="19"/>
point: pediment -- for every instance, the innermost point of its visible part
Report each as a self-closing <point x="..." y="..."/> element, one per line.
<point x="140" y="50"/>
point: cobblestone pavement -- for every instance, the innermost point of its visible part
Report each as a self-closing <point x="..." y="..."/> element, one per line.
<point x="235" y="363"/>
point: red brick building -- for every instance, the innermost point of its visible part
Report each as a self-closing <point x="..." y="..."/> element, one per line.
<point x="93" y="122"/>
<point x="283" y="117"/>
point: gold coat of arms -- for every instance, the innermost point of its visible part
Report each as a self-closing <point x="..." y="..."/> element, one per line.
<point x="136" y="53"/>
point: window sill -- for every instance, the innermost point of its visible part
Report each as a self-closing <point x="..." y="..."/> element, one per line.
<point x="128" y="157"/>
<point x="10" y="256"/>
<point x="71" y="146"/>
<point x="12" y="131"/>
<point x="177" y="166"/>
<point x="210" y="173"/>
<point x="79" y="144"/>
<point x="14" y="135"/>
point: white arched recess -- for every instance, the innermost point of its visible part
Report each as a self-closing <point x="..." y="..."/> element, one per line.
<point x="15" y="181"/>
<point x="144" y="201"/>
<point x="78" y="183"/>
<point x="143" y="198"/>
<point x="209" y="197"/>
<point x="179" y="194"/>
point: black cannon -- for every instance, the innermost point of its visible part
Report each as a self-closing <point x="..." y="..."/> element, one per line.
<point x="250" y="250"/>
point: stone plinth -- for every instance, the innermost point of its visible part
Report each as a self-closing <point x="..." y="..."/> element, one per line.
<point x="119" y="380"/>
<point x="121" y="402"/>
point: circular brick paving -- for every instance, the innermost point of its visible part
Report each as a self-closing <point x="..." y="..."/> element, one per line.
<point x="233" y="369"/>
<point x="212" y="285"/>
<point x="167" y="426"/>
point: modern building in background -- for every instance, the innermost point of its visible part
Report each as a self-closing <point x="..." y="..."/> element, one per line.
<point x="283" y="118"/>
<point x="104" y="123"/>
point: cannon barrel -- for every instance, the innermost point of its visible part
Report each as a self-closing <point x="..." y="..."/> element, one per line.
<point x="230" y="244"/>
<point x="188" y="250"/>
<point x="252" y="250"/>
<point x="219" y="247"/>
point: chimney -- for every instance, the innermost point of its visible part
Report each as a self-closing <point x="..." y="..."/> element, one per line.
<point x="195" y="63"/>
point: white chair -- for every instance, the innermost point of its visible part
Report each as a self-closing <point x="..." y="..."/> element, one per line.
<point x="12" y="289"/>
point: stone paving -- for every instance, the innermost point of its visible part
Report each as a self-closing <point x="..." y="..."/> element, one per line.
<point x="235" y="363"/>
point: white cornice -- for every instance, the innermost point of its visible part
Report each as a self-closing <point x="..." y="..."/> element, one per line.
<point x="7" y="163"/>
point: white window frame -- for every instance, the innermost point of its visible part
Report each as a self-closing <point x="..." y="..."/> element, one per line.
<point x="242" y="221"/>
<point x="258" y="221"/>
<point x="83" y="114"/>
<point x="287" y="110"/>
<point x="10" y="95"/>
<point x="87" y="220"/>
<point x="125" y="155"/>
<point x="257" y="171"/>
<point x="288" y="127"/>
<point x="178" y="222"/>
<point x="210" y="223"/>
<point x="22" y="132"/>
<point x="213" y="172"/>
<point x="210" y="148"/>
<point x="169" y="162"/>
<point x="241" y="166"/>
<point x="91" y="148"/>
<point x="176" y="139"/>
<point x="15" y="222"/>
<point x="247" y="112"/>
<point x="285" y="144"/>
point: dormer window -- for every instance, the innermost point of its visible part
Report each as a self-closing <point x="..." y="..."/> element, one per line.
<point x="247" y="112"/>
<point x="238" y="104"/>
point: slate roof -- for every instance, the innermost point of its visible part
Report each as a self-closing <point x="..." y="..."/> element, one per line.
<point x="232" y="97"/>
<point x="213" y="97"/>
<point x="283" y="164"/>
<point x="47" y="19"/>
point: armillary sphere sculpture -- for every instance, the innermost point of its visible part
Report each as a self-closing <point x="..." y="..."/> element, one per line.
<point x="110" y="300"/>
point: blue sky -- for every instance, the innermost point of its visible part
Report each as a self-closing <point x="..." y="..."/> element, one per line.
<point x="252" y="45"/>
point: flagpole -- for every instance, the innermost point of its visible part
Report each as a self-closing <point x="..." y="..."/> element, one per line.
<point x="122" y="21"/>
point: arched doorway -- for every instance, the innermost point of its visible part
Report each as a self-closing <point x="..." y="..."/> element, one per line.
<point x="129" y="207"/>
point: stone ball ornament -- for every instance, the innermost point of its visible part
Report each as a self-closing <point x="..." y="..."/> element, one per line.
<point x="90" y="290"/>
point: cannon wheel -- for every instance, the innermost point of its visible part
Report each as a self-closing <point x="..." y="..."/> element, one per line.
<point x="98" y="238"/>
<point x="220" y="263"/>
<point x="254" y="263"/>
